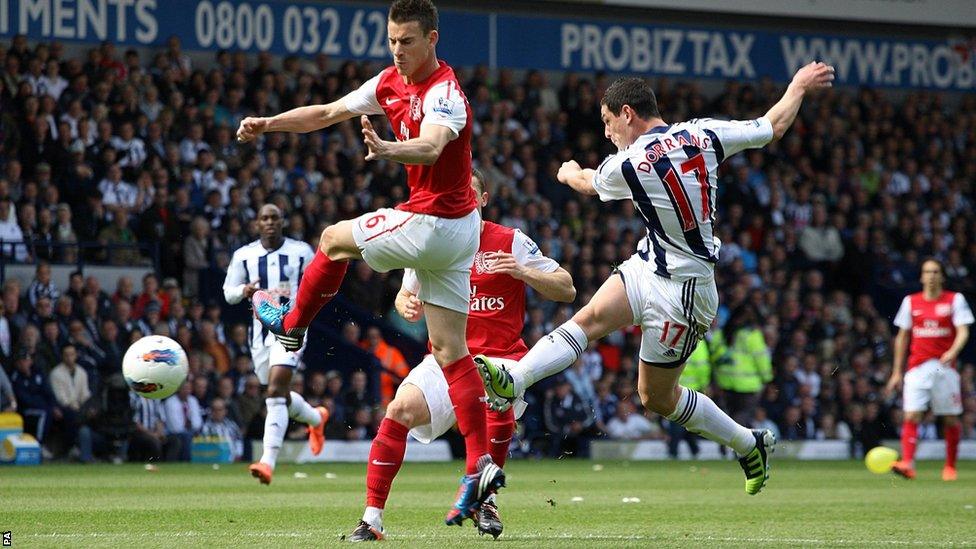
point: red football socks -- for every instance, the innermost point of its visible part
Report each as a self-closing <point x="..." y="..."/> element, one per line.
<point x="909" y="438"/>
<point x="501" y="426"/>
<point x="385" y="459"/>
<point x="318" y="286"/>
<point x="467" y="394"/>
<point x="952" y="435"/>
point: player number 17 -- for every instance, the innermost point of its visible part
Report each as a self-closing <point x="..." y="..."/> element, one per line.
<point x="696" y="165"/>
<point x="668" y="327"/>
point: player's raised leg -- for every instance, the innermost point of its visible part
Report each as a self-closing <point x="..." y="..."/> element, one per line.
<point x="660" y="393"/>
<point x="606" y="312"/>
<point x="320" y="283"/>
<point x="408" y="409"/>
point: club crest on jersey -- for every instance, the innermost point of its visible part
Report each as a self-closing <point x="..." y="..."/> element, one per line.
<point x="416" y="108"/>
<point x="481" y="264"/>
<point x="943" y="309"/>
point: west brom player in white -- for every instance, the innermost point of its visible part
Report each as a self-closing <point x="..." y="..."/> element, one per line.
<point x="274" y="263"/>
<point x="667" y="287"/>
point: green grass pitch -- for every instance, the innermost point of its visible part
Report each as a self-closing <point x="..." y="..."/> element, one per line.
<point x="806" y="504"/>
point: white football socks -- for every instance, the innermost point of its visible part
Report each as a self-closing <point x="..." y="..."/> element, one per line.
<point x="552" y="354"/>
<point x="374" y="517"/>
<point x="302" y="411"/>
<point x="697" y="413"/>
<point x="275" y="426"/>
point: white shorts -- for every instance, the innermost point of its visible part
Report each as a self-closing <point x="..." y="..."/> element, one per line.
<point x="429" y="378"/>
<point x="441" y="250"/>
<point x="273" y="353"/>
<point x="673" y="315"/>
<point x="933" y="382"/>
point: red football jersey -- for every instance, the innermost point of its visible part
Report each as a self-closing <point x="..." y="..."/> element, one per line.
<point x="444" y="188"/>
<point x="496" y="313"/>
<point x="932" y="324"/>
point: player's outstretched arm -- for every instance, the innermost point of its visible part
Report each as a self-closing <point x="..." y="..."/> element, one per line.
<point x="570" y="173"/>
<point x="423" y="150"/>
<point x="298" y="120"/>
<point x="555" y="286"/>
<point x="814" y="76"/>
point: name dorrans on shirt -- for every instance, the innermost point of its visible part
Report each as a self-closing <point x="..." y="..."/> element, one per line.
<point x="932" y="324"/>
<point x="443" y="189"/>
<point x="276" y="271"/>
<point x="496" y="314"/>
<point x="671" y="174"/>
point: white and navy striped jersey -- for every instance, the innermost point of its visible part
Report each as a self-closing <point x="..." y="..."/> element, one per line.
<point x="671" y="173"/>
<point x="147" y="412"/>
<point x="276" y="271"/>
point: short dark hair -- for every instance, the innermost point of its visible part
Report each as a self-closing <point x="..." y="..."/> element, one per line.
<point x="632" y="91"/>
<point x="422" y="11"/>
<point x="482" y="182"/>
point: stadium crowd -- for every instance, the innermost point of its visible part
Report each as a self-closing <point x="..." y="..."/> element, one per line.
<point x="129" y="159"/>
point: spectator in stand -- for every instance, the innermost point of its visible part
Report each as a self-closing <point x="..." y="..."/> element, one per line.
<point x="150" y="292"/>
<point x="11" y="236"/>
<point x="627" y="424"/>
<point x="7" y="338"/>
<point x="357" y="396"/>
<point x="120" y="241"/>
<point x="249" y="404"/>
<point x="218" y="424"/>
<point x="395" y="367"/>
<point x="213" y="347"/>
<point x="8" y="401"/>
<point x="42" y="286"/>
<point x="184" y="418"/>
<point x="35" y="401"/>
<point x="69" y="384"/>
<point x="568" y="418"/>
<point x="149" y="435"/>
<point x="196" y="256"/>
<point x="201" y="390"/>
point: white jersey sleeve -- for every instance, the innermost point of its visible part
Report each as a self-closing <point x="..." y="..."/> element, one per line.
<point x="738" y="135"/>
<point x="236" y="280"/>
<point x="363" y="100"/>
<point x="903" y="319"/>
<point x="962" y="315"/>
<point x="527" y="254"/>
<point x="609" y="181"/>
<point x="444" y="106"/>
<point x="410" y="281"/>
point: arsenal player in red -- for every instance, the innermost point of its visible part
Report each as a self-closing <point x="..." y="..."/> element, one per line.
<point x="933" y="327"/>
<point x="507" y="261"/>
<point x="435" y="232"/>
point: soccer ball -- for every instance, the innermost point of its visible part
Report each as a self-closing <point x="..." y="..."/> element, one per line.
<point x="155" y="366"/>
<point x="880" y="459"/>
